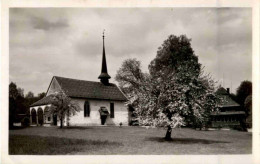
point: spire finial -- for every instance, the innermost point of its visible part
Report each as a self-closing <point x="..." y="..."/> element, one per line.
<point x="103" y="33"/>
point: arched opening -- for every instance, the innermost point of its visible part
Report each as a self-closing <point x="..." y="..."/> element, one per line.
<point x="86" y="109"/>
<point x="33" y="115"/>
<point x="40" y="116"/>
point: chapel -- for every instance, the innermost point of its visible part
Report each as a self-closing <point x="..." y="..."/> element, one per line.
<point x="101" y="103"/>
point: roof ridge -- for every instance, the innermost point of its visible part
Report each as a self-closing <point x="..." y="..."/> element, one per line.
<point x="79" y="79"/>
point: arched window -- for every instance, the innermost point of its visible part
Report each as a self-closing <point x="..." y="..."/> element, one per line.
<point x="40" y="116"/>
<point x="112" y="112"/>
<point x="86" y="109"/>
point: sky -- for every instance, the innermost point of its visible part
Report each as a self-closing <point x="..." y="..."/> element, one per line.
<point x="67" y="42"/>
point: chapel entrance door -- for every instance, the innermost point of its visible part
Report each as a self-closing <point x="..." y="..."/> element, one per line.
<point x="103" y="115"/>
<point x="103" y="120"/>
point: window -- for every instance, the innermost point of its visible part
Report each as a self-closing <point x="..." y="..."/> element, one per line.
<point x="112" y="113"/>
<point x="86" y="109"/>
<point x="49" y="118"/>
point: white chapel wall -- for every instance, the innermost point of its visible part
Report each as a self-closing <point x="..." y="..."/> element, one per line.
<point x="54" y="86"/>
<point x="120" y="113"/>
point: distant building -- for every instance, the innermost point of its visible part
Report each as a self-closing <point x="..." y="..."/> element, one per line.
<point x="96" y="99"/>
<point x="231" y="113"/>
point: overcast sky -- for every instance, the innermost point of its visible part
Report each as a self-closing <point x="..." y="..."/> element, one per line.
<point x="67" y="42"/>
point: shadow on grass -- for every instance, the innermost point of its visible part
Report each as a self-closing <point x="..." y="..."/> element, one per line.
<point x="38" y="145"/>
<point x="184" y="140"/>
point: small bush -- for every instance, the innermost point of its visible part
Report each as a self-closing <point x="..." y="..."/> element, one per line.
<point x="25" y="122"/>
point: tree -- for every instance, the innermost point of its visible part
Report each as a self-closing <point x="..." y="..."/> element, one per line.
<point x="20" y="92"/>
<point x="244" y="90"/>
<point x="13" y="94"/>
<point x="134" y="83"/>
<point x="41" y="95"/>
<point x="248" y="110"/>
<point x="16" y="103"/>
<point x="63" y="106"/>
<point x="29" y="95"/>
<point x="175" y="90"/>
<point x="233" y="97"/>
<point x="130" y="75"/>
<point x="20" y="104"/>
<point x="176" y="59"/>
<point x="186" y="91"/>
<point x="13" y="91"/>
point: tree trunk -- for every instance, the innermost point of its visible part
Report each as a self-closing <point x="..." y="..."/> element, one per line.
<point x="168" y="134"/>
<point x="68" y="119"/>
<point x="61" y="122"/>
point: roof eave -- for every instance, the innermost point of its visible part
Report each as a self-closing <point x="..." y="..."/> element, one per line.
<point x="81" y="97"/>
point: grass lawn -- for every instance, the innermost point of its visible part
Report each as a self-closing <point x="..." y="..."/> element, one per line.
<point x="126" y="140"/>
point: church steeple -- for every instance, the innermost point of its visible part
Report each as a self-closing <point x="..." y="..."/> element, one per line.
<point x="104" y="77"/>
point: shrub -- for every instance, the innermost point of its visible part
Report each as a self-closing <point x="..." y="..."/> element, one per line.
<point x="25" y="122"/>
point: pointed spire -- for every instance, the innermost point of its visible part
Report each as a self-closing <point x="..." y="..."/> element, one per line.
<point x="104" y="77"/>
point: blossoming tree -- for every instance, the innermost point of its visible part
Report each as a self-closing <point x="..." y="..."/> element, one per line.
<point x="175" y="91"/>
<point x="62" y="106"/>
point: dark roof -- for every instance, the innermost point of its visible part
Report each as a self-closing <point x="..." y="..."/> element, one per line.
<point x="228" y="101"/>
<point x="85" y="89"/>
<point x="90" y="89"/>
<point x="222" y="91"/>
<point x="43" y="101"/>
